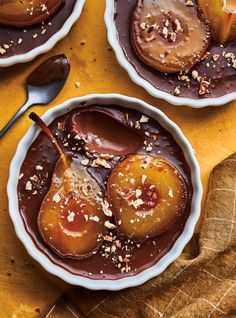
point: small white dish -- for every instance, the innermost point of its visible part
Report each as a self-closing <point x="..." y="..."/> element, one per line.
<point x="167" y="259"/>
<point x="50" y="43"/>
<point x="136" y="78"/>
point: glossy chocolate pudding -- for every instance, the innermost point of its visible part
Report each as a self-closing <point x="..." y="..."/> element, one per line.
<point x="217" y="68"/>
<point x="18" y="40"/>
<point x="38" y="167"/>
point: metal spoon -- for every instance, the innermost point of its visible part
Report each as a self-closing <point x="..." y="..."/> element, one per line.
<point x="43" y="85"/>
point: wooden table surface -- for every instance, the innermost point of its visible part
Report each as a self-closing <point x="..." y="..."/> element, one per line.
<point x="211" y="131"/>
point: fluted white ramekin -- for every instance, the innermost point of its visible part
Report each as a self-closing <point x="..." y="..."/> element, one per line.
<point x="50" y="43"/>
<point x="136" y="78"/>
<point x="167" y="259"/>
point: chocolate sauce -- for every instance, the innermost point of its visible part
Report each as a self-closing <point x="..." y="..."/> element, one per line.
<point x="42" y="154"/>
<point x="22" y="40"/>
<point x="221" y="75"/>
<point x="54" y="68"/>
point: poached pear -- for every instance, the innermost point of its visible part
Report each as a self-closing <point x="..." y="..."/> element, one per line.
<point x="71" y="218"/>
<point x="169" y="35"/>
<point x="147" y="195"/>
<point x="28" y="12"/>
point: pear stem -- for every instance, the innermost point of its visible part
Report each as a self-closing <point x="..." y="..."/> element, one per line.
<point x="38" y="121"/>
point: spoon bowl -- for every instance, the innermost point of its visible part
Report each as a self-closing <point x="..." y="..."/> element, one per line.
<point x="43" y="85"/>
<point x="95" y="126"/>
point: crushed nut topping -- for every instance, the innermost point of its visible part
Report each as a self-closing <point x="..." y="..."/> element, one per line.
<point x="28" y="186"/>
<point x="106" y="208"/>
<point x="109" y="225"/>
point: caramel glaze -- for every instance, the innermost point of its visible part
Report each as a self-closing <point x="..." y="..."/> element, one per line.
<point x="42" y="153"/>
<point x="23" y="40"/>
<point x="223" y="76"/>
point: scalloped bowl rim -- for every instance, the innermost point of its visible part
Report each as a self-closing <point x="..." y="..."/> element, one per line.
<point x="50" y="43"/>
<point x="136" y="78"/>
<point x="167" y="259"/>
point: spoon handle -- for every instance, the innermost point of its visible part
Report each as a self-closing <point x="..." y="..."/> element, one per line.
<point x="19" y="113"/>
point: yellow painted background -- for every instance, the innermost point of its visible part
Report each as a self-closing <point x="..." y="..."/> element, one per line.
<point x="24" y="286"/>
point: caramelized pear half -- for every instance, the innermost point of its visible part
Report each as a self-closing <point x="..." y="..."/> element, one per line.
<point x="71" y="218"/>
<point x="27" y="12"/>
<point x="147" y="195"/>
<point x="222" y="17"/>
<point x="169" y="35"/>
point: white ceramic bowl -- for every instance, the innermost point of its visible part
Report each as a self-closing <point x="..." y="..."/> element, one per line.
<point x="172" y="255"/>
<point x="51" y="42"/>
<point x="136" y="78"/>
